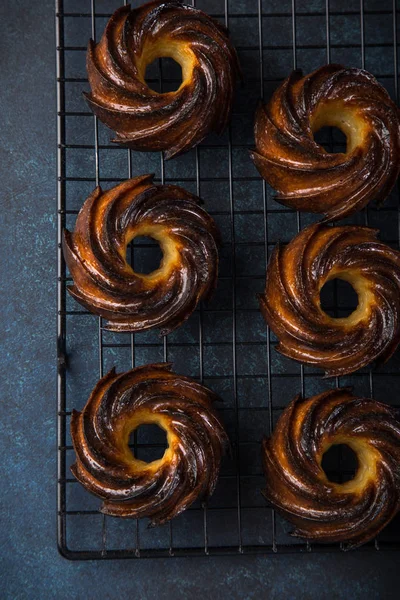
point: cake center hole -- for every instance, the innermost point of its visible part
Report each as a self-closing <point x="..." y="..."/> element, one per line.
<point x="338" y="298"/>
<point x="148" y="442"/>
<point x="340" y="463"/>
<point x="144" y="255"/>
<point x="164" y="74"/>
<point x="332" y="139"/>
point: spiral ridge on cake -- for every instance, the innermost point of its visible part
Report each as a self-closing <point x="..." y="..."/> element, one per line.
<point x="107" y="285"/>
<point x="131" y="487"/>
<point x="307" y="177"/>
<point x="142" y="118"/>
<point x="291" y="302"/>
<point x="297" y="486"/>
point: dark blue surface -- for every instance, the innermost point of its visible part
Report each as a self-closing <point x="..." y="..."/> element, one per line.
<point x="30" y="564"/>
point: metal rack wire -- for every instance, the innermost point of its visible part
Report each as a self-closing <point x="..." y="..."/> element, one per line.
<point x="237" y="360"/>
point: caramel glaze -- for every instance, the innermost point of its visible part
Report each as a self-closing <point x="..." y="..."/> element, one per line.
<point x="173" y="121"/>
<point x="131" y="487"/>
<point x="291" y="301"/>
<point x="307" y="177"/>
<point x="321" y="510"/>
<point x="96" y="255"/>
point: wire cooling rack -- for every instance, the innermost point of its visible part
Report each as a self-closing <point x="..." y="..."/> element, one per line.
<point x="225" y="344"/>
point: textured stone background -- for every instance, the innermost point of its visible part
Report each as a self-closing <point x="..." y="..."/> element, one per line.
<point x="30" y="564"/>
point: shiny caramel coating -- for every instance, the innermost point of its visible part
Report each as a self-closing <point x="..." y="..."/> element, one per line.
<point x="305" y="175"/>
<point x="142" y="118"/>
<point x="296" y="485"/>
<point x="130" y="487"/>
<point x="291" y="302"/>
<point x="96" y="255"/>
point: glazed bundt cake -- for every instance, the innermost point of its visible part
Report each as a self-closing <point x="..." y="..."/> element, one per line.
<point x="307" y="177"/>
<point x="130" y="487"/>
<point x="106" y="284"/>
<point x="142" y="118"/>
<point x="296" y="485"/>
<point x="291" y="302"/>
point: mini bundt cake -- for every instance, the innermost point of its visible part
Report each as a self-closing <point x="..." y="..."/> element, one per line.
<point x="307" y="177"/>
<point x="142" y="118"/>
<point x="130" y="487"/>
<point x="297" y="486"/>
<point x="291" y="302"/>
<point x="96" y="255"/>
